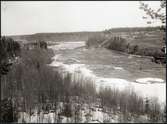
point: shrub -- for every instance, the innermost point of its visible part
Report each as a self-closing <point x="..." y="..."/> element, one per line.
<point x="95" y="40"/>
<point x="8" y="48"/>
<point x="113" y="43"/>
<point x="117" y="43"/>
<point x="8" y="111"/>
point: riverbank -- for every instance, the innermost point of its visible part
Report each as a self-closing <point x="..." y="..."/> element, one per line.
<point x="138" y="44"/>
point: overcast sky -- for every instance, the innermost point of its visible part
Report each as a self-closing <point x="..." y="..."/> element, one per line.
<point x="30" y="17"/>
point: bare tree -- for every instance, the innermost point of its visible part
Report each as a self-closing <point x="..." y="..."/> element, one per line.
<point x="156" y="15"/>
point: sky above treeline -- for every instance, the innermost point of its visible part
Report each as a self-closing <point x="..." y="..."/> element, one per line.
<point x="30" y="17"/>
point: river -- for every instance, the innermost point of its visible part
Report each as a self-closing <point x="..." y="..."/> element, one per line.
<point x="111" y="68"/>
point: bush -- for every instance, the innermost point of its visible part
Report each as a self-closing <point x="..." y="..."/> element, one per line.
<point x="156" y="52"/>
<point x="95" y="40"/>
<point x="117" y="43"/>
<point x="113" y="43"/>
<point x="8" y="111"/>
<point x="8" y="49"/>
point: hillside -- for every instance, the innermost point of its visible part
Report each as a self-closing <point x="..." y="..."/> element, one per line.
<point x="139" y="41"/>
<point x="147" y="39"/>
<point x="83" y="36"/>
<point x="132" y="29"/>
<point x="72" y="36"/>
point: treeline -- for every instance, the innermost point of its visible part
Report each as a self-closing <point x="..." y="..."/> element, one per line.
<point x="132" y="29"/>
<point x="69" y="36"/>
<point x="8" y="49"/>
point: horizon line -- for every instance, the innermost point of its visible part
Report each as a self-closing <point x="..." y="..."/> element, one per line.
<point x="78" y="31"/>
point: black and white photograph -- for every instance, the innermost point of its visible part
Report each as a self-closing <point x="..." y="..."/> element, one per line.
<point x="83" y="61"/>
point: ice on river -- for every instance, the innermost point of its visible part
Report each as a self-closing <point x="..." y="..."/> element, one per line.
<point x="146" y="86"/>
<point x="142" y="86"/>
<point x="118" y="68"/>
<point x="67" y="45"/>
<point x="149" y="80"/>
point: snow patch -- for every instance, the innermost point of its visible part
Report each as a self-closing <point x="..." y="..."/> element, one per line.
<point x="55" y="62"/>
<point x="118" y="68"/>
<point x="80" y="69"/>
<point x="72" y="68"/>
<point x="157" y="89"/>
<point x="152" y="90"/>
<point x="149" y="80"/>
<point x="113" y="82"/>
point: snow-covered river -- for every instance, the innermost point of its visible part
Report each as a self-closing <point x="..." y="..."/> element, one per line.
<point x="111" y="68"/>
